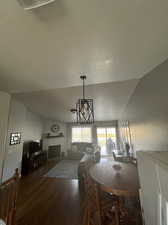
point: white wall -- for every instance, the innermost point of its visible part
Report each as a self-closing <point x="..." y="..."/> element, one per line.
<point x="4" y="112"/>
<point x="14" y="152"/>
<point x="33" y="127"/>
<point x="147" y="111"/>
<point x="55" y="141"/>
<point x="30" y="126"/>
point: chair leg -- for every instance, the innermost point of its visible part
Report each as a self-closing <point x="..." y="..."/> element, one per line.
<point x="85" y="217"/>
<point x="117" y="220"/>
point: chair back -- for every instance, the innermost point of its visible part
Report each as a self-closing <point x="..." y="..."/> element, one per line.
<point x="92" y="198"/>
<point x="8" y="196"/>
<point x="114" y="156"/>
<point x="87" y="165"/>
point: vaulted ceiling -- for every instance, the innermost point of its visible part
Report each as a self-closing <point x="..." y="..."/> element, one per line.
<point x="109" y="100"/>
<point x="112" y="41"/>
<point x="109" y="40"/>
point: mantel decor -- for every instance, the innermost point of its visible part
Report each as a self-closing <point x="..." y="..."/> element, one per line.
<point x="84" y="110"/>
<point x="55" y="128"/>
<point x="15" y="138"/>
<point x="48" y="135"/>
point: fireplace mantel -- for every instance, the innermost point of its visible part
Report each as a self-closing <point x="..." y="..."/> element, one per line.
<point x="54" y="136"/>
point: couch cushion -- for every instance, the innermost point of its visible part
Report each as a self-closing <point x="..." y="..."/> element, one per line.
<point x="74" y="148"/>
<point x="82" y="146"/>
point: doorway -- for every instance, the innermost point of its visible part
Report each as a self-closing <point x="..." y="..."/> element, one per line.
<point x="107" y="140"/>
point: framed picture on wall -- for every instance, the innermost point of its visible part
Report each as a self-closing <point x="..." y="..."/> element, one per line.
<point x="15" y="138"/>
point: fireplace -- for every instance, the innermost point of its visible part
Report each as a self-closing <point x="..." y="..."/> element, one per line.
<point x="54" y="151"/>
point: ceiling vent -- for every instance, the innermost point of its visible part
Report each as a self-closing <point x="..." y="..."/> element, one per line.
<point x="32" y="4"/>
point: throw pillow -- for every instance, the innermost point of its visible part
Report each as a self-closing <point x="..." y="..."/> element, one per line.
<point x="74" y="148"/>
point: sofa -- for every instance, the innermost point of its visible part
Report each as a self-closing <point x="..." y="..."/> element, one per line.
<point x="78" y="150"/>
<point x="83" y="152"/>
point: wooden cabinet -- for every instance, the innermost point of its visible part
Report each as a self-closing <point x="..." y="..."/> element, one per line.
<point x="33" y="162"/>
<point x="153" y="174"/>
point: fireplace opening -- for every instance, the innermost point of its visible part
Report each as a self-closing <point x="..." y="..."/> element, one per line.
<point x="54" y="152"/>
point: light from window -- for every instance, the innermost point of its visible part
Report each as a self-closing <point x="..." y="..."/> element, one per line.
<point x="81" y="134"/>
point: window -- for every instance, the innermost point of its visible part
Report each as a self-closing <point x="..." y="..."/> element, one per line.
<point x="107" y="139"/>
<point x="81" y="134"/>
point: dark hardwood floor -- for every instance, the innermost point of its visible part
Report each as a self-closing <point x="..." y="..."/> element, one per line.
<point x="48" y="201"/>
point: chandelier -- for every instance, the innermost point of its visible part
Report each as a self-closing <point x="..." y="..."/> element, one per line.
<point x="84" y="111"/>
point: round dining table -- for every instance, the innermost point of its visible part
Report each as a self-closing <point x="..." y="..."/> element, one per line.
<point x="118" y="178"/>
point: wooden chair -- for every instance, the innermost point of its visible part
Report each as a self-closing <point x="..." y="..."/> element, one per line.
<point x="98" y="208"/>
<point x="130" y="215"/>
<point x="133" y="160"/>
<point x="118" y="158"/>
<point x="128" y="159"/>
<point x="8" y="196"/>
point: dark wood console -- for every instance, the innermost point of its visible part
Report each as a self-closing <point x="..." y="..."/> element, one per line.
<point x="32" y="158"/>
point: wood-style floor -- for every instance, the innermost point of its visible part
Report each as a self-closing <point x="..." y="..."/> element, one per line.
<point x="48" y="201"/>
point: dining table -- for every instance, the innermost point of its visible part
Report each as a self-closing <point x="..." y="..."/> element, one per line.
<point x="118" y="178"/>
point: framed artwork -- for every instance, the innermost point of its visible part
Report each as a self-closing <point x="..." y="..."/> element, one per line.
<point x="15" y="138"/>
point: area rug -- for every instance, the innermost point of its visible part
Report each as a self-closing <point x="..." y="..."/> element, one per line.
<point x="65" y="169"/>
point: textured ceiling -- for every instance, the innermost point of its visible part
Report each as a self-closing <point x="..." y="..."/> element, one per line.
<point x="109" y="40"/>
<point x="109" y="100"/>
